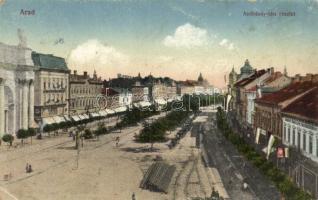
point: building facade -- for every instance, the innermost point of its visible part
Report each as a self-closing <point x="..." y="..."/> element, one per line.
<point x="163" y="91"/>
<point x="300" y="124"/>
<point x="246" y="94"/>
<point x="16" y="89"/>
<point x="51" y="88"/>
<point x="140" y="93"/>
<point x="85" y="92"/>
<point x="268" y="108"/>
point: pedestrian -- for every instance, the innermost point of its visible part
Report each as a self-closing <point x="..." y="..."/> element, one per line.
<point x="117" y="141"/>
<point x="133" y="196"/>
<point x="27" y="168"/>
<point x="30" y="169"/>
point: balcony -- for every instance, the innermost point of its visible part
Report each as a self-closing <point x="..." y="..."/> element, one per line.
<point x="52" y="90"/>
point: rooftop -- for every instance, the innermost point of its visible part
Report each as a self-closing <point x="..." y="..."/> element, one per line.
<point x="48" y="61"/>
<point x="288" y="92"/>
<point x="251" y="78"/>
<point x="77" y="78"/>
<point x="305" y="107"/>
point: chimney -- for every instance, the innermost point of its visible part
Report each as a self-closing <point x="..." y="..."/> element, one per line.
<point x="271" y="70"/>
<point x="85" y="74"/>
<point x="75" y="72"/>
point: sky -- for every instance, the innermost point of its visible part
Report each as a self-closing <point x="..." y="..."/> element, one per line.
<point x="175" y="38"/>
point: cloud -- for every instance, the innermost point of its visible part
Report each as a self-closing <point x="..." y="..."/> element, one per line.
<point x="92" y="54"/>
<point x="187" y="36"/>
<point x="227" y="44"/>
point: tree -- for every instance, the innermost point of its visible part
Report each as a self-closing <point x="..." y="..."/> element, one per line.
<point x="8" y="138"/>
<point x="48" y="128"/>
<point x="87" y="134"/>
<point x="31" y="133"/>
<point x="22" y="134"/>
<point x="100" y="130"/>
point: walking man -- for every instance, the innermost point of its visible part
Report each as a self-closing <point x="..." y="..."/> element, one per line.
<point x="117" y="141"/>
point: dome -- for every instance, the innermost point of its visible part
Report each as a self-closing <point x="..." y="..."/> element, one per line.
<point x="247" y="68"/>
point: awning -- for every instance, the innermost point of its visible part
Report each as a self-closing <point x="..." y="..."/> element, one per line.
<point x="94" y="114"/>
<point x="76" y="118"/>
<point x="81" y="117"/>
<point x="160" y="101"/>
<point x="108" y="111"/>
<point x="48" y="120"/>
<point x="86" y="116"/>
<point x="102" y="113"/>
<point x="58" y="119"/>
<point x="144" y="103"/>
<point x="120" y="109"/>
<point x="67" y="118"/>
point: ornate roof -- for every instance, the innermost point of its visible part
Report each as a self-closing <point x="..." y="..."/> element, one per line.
<point x="48" y="61"/>
<point x="247" y="68"/>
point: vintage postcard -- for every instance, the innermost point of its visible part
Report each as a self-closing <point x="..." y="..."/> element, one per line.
<point x="158" y="99"/>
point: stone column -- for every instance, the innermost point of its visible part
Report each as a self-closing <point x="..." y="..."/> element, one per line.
<point x="31" y="104"/>
<point x="2" y="120"/>
<point x="314" y="147"/>
<point x="25" y="102"/>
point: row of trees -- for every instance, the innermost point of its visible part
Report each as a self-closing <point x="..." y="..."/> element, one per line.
<point x="156" y="131"/>
<point x="282" y="182"/>
<point x="136" y="115"/>
<point x="21" y="134"/>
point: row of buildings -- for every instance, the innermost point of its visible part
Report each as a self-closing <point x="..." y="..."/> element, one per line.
<point x="273" y="106"/>
<point x="38" y="89"/>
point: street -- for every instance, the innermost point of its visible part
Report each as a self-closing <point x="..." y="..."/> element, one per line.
<point x="233" y="168"/>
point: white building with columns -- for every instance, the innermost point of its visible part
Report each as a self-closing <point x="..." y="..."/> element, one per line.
<point x="300" y="124"/>
<point x="16" y="89"/>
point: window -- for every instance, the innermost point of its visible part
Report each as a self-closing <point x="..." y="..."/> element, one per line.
<point x="294" y="135"/>
<point x="298" y="138"/>
<point x="304" y="141"/>
<point x="44" y="85"/>
<point x="285" y="133"/>
<point x="316" y="146"/>
<point x="310" y="144"/>
<point x="288" y="134"/>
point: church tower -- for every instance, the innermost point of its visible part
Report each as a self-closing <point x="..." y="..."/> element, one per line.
<point x="200" y="79"/>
